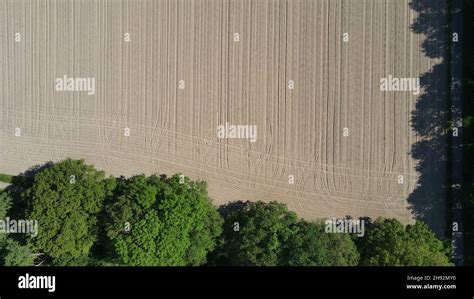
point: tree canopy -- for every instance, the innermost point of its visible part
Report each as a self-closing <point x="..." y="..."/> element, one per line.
<point x="86" y="218"/>
<point x="310" y="245"/>
<point x="162" y="221"/>
<point x="66" y="199"/>
<point x="267" y="234"/>
<point x="254" y="235"/>
<point x="388" y="243"/>
<point x="12" y="253"/>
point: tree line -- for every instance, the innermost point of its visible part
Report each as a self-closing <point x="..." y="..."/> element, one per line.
<point x="86" y="218"/>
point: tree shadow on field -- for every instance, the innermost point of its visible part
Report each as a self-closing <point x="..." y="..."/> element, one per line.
<point x="430" y="118"/>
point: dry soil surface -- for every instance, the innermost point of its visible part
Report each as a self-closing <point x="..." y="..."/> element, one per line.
<point x="300" y="131"/>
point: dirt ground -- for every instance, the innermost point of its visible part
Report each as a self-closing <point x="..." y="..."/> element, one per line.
<point x="300" y="131"/>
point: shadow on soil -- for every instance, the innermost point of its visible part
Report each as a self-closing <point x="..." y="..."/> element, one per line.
<point x="430" y="118"/>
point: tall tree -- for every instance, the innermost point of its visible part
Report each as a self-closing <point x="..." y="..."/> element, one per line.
<point x="388" y="243"/>
<point x="310" y="245"/>
<point x="254" y="234"/>
<point x="162" y="221"/>
<point x="66" y="199"/>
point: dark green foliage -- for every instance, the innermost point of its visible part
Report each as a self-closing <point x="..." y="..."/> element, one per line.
<point x="66" y="199"/>
<point x="310" y="245"/>
<point x="87" y="219"/>
<point x="17" y="254"/>
<point x="254" y="235"/>
<point x="12" y="253"/>
<point x="5" y="204"/>
<point x="170" y="223"/>
<point x="267" y="234"/>
<point x="388" y="243"/>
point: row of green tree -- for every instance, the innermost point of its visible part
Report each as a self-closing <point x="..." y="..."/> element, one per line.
<point x="86" y="218"/>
